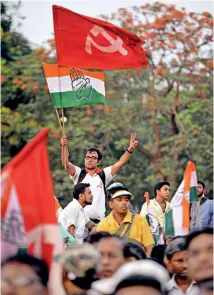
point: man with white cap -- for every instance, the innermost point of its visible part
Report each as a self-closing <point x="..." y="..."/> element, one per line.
<point x="122" y="222"/>
<point x="138" y="277"/>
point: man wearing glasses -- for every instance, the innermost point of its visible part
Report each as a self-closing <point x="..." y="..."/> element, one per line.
<point x="24" y="275"/>
<point x="97" y="178"/>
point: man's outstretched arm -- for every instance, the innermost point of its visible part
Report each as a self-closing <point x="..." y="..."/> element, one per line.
<point x="70" y="168"/>
<point x="125" y="157"/>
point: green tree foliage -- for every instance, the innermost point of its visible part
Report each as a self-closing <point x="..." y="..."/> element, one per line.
<point x="169" y="104"/>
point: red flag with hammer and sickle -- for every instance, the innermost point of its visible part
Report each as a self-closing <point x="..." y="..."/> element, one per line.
<point x="86" y="42"/>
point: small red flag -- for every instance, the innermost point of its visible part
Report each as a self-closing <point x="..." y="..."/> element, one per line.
<point x="86" y="42"/>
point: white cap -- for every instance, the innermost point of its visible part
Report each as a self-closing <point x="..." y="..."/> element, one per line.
<point x="145" y="268"/>
<point x="120" y="193"/>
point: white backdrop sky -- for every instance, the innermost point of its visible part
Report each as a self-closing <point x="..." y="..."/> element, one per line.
<point x="38" y="25"/>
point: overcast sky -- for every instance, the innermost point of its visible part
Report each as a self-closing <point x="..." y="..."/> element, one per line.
<point x="38" y="25"/>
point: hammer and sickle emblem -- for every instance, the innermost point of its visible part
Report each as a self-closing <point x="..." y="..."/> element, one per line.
<point x="116" y="45"/>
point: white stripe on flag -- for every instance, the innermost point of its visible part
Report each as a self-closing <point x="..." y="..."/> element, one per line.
<point x="193" y="182"/>
<point x="65" y="84"/>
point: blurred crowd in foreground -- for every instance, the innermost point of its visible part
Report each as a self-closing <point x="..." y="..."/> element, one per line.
<point x="108" y="264"/>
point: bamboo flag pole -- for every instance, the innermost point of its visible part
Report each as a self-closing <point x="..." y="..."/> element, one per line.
<point x="57" y="114"/>
<point x="65" y="150"/>
<point x="63" y="122"/>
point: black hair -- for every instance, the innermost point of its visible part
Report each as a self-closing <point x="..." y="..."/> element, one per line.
<point x="159" y="185"/>
<point x="202" y="183"/>
<point x="94" y="238"/>
<point x="38" y="265"/>
<point x="178" y="244"/>
<point x="157" y="253"/>
<point x="191" y="236"/>
<point x="97" y="151"/>
<point x="79" y="188"/>
<point x="139" y="280"/>
<point x="132" y="249"/>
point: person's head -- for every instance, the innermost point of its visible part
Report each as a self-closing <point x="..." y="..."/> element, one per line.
<point x="24" y="275"/>
<point x="200" y="255"/>
<point x="162" y="190"/>
<point x="136" y="277"/>
<point x="112" y="252"/>
<point x="120" y="200"/>
<point x="95" y="238"/>
<point x="176" y="255"/>
<point x="133" y="251"/>
<point x="93" y="158"/>
<point x="200" y="188"/>
<point x="80" y="265"/>
<point x="168" y="239"/>
<point x="158" y="253"/>
<point x="82" y="193"/>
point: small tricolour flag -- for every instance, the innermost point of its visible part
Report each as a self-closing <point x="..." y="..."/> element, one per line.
<point x="70" y="87"/>
<point x="177" y="218"/>
<point x="154" y="223"/>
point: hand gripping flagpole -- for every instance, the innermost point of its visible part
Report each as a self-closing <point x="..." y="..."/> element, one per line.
<point x="65" y="149"/>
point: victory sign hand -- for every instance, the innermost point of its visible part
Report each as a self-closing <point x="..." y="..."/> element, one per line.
<point x="133" y="143"/>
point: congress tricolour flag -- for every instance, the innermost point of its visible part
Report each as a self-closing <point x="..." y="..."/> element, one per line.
<point x="154" y="224"/>
<point x="70" y="87"/>
<point x="177" y="218"/>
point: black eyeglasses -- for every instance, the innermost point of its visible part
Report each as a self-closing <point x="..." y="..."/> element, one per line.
<point x="92" y="158"/>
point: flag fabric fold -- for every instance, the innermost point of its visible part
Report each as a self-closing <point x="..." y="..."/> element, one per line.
<point x="90" y="43"/>
<point x="70" y="87"/>
<point x="177" y="218"/>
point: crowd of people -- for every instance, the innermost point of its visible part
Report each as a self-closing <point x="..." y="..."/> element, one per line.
<point x="117" y="253"/>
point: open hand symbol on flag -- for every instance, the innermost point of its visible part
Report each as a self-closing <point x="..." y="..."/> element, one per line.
<point x="80" y="85"/>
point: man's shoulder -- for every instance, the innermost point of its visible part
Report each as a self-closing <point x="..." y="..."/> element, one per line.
<point x="73" y="204"/>
<point x="206" y="201"/>
<point x="139" y="218"/>
<point x="106" y="220"/>
<point x="107" y="170"/>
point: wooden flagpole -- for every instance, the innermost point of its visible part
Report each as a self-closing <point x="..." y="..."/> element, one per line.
<point x="65" y="150"/>
<point x="57" y="114"/>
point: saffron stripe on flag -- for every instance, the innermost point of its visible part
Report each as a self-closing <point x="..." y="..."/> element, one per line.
<point x="53" y="70"/>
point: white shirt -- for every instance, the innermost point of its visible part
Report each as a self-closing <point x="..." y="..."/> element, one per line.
<point x="73" y="214"/>
<point x="174" y="289"/>
<point x="97" y="209"/>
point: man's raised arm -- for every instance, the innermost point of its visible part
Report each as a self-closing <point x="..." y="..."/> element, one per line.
<point x="70" y="168"/>
<point x="125" y="157"/>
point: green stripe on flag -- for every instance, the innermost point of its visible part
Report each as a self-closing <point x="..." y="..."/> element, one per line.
<point x="193" y="194"/>
<point x="69" y="99"/>
<point x="169" y="225"/>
